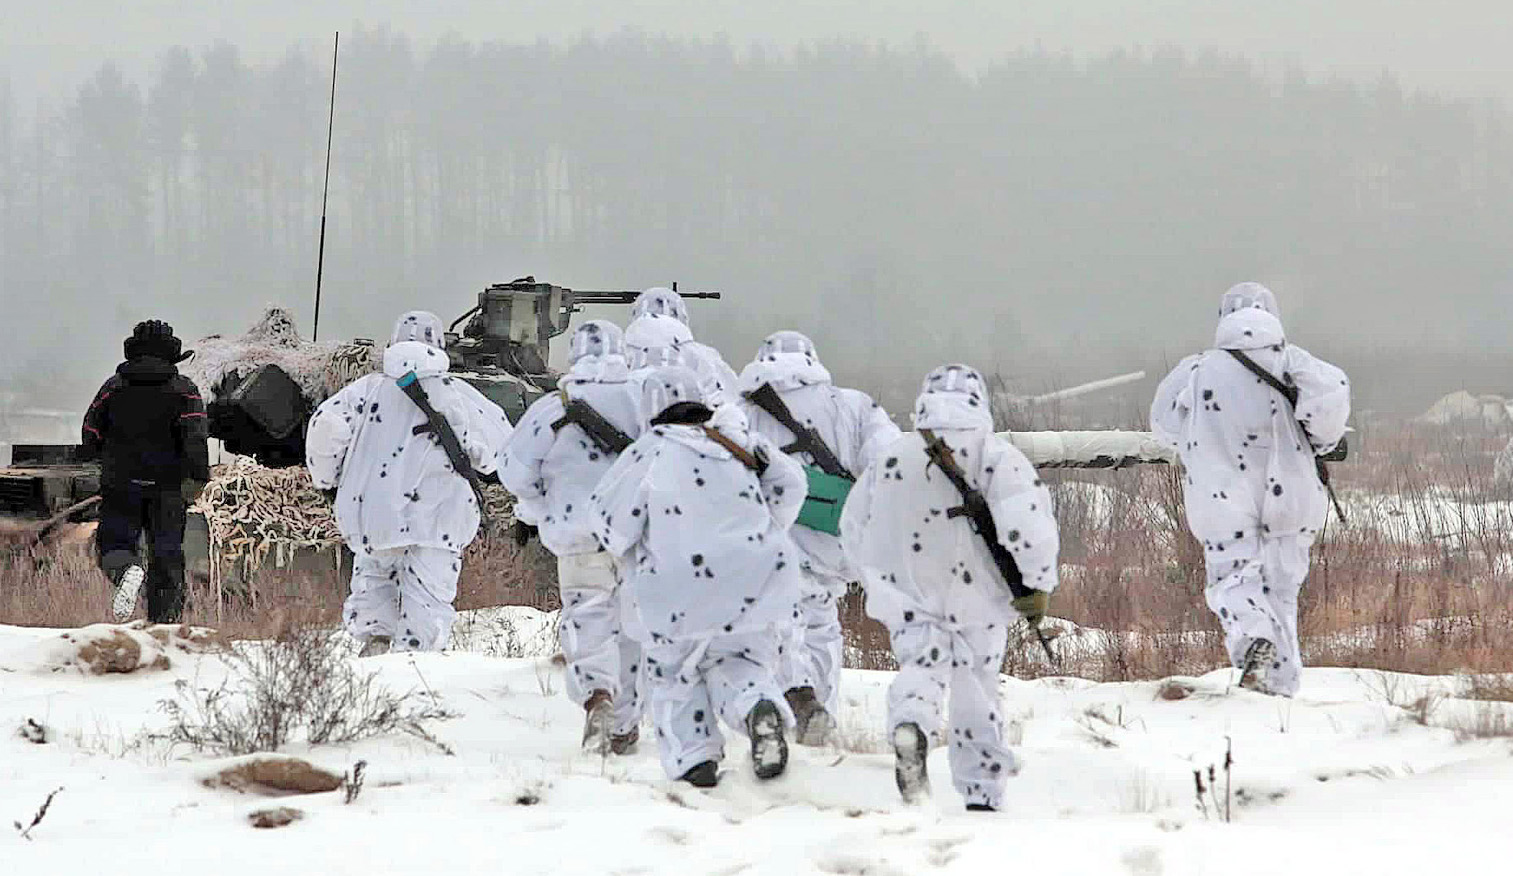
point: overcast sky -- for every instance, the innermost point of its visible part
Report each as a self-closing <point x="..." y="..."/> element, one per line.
<point x="1462" y="46"/>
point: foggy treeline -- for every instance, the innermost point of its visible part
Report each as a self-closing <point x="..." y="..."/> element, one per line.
<point x="1050" y="219"/>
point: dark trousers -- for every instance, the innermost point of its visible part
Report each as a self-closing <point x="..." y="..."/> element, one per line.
<point x="127" y="512"/>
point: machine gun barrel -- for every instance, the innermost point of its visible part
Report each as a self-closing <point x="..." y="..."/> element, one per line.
<point x="603" y="297"/>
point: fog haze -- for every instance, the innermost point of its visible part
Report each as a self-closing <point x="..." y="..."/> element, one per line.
<point x="1054" y="194"/>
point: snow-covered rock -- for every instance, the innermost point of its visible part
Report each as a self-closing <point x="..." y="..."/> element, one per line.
<point x="102" y="649"/>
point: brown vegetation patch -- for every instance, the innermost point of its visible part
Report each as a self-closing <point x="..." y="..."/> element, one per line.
<point x="281" y="816"/>
<point x="275" y="777"/>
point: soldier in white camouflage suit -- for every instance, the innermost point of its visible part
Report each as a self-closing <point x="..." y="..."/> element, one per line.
<point x="552" y="466"/>
<point x="698" y="519"/>
<point x="932" y="582"/>
<point x="1251" y="487"/>
<point x="855" y="429"/>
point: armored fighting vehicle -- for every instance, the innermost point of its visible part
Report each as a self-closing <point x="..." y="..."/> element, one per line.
<point x="503" y="348"/>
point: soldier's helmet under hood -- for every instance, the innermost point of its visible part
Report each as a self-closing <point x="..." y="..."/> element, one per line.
<point x="654" y="330"/>
<point x="597" y="353"/>
<point x="419" y="325"/>
<point x="660" y="301"/>
<point x="665" y="388"/>
<point x="1249" y="295"/>
<point x="787" y="360"/>
<point x="658" y="357"/>
<point x="953" y="397"/>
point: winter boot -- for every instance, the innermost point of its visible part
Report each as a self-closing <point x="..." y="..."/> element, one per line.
<point x="1257" y="666"/>
<point x="128" y="588"/>
<point x="769" y="750"/>
<point x="625" y="743"/>
<point x="598" y="716"/>
<point x="980" y="807"/>
<point x="375" y="646"/>
<point x="704" y="775"/>
<point x="812" y="724"/>
<point x="911" y="750"/>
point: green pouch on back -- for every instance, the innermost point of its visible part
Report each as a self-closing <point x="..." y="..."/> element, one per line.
<point x="827" y="496"/>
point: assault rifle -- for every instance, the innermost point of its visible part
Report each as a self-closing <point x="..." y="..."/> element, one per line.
<point x="805" y="439"/>
<point x="602" y="432"/>
<point x="1290" y="392"/>
<point x="437" y="425"/>
<point x="975" y="508"/>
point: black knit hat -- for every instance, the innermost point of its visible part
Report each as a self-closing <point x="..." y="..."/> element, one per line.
<point x="155" y="338"/>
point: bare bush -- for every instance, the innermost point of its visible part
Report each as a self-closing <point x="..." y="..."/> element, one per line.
<point x="302" y="684"/>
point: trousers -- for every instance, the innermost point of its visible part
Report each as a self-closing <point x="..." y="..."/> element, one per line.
<point x="937" y="661"/>
<point x="405" y="594"/>
<point x="697" y="683"/>
<point x="813" y="655"/>
<point x="129" y="510"/>
<point x="600" y="656"/>
<point x="1253" y="587"/>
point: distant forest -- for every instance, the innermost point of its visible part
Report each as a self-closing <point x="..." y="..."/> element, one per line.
<point x="1051" y="219"/>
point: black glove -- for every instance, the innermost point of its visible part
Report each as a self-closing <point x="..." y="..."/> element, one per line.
<point x="523" y="533"/>
<point x="329" y="496"/>
<point x="190" y="489"/>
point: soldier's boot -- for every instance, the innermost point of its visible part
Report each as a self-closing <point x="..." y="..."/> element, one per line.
<point x="769" y="750"/>
<point x="625" y="743"/>
<point x="813" y="725"/>
<point x="598" y="720"/>
<point x="911" y="750"/>
<point x="1257" y="666"/>
<point x="375" y="646"/>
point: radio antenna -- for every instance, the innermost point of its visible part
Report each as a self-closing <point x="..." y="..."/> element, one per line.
<point x="320" y="258"/>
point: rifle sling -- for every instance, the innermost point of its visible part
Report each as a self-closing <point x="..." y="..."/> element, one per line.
<point x="768" y="400"/>
<point x="1291" y="394"/>
<point x="745" y="456"/>
<point x="985" y="527"/>
<point x="614" y="442"/>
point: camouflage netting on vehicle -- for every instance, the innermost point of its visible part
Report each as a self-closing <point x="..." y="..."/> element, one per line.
<point x="319" y="368"/>
<point x="257" y="515"/>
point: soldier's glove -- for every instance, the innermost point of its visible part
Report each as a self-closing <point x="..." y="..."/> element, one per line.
<point x="190" y="489"/>
<point x="523" y="533"/>
<point x="1033" y="605"/>
<point x="329" y="496"/>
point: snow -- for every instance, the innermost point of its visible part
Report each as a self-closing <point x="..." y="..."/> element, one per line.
<point x="1337" y="781"/>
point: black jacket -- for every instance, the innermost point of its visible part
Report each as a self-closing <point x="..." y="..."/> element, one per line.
<point x="147" y="423"/>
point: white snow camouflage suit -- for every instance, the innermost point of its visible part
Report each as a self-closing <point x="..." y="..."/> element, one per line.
<point x="855" y="429"/>
<point x="718" y="378"/>
<point x="402" y="509"/>
<point x="712" y="576"/>
<point x="552" y="474"/>
<point x="931" y="581"/>
<point x="1251" y="490"/>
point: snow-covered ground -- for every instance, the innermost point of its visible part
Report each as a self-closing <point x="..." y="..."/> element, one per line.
<point x="1339" y="781"/>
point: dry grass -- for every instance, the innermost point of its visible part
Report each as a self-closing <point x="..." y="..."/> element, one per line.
<point x="59" y="585"/>
<point x="1419" y="581"/>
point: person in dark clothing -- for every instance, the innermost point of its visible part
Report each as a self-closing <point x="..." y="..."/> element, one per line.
<point x="147" y="426"/>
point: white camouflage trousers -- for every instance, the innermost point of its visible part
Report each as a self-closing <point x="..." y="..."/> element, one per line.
<point x="599" y="655"/>
<point x="812" y="656"/>
<point x="695" y="684"/>
<point x="936" y="661"/>
<point x="1253" y="587"/>
<point x="406" y="594"/>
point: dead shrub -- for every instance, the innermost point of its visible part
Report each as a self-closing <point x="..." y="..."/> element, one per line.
<point x="302" y="684"/>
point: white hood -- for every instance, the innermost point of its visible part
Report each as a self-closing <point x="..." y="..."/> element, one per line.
<point x="953" y="397"/>
<point x="406" y="356"/>
<point x="786" y="360"/>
